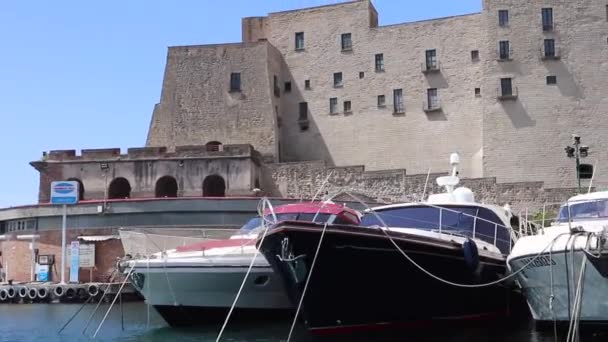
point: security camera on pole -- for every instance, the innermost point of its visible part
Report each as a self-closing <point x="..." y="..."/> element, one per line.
<point x="578" y="151"/>
<point x="64" y="193"/>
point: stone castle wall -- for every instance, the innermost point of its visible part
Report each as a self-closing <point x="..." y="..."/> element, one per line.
<point x="525" y="139"/>
<point x="516" y="140"/>
<point x="303" y="180"/>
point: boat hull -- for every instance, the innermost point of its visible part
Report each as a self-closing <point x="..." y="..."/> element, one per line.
<point x="361" y="282"/>
<point x="188" y="295"/>
<point x="536" y="285"/>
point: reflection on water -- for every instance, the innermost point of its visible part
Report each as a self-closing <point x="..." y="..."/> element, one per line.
<point x="41" y="322"/>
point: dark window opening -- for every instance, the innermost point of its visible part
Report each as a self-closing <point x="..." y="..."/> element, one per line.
<point x="361" y="74"/>
<point x="379" y="61"/>
<point x="213" y="146"/>
<point x="303" y="111"/>
<point x="551" y="79"/>
<point x="214" y="186"/>
<point x="475" y="55"/>
<point x="504" y="49"/>
<point x="119" y="188"/>
<point x="80" y="188"/>
<point x="432" y="98"/>
<point x="503" y="18"/>
<point x="287" y="87"/>
<point x="166" y="186"/>
<point x="547" y="18"/>
<point x="277" y="90"/>
<point x="381" y="101"/>
<point x="307" y="84"/>
<point x="431" y="59"/>
<point x="333" y="105"/>
<point x="347" y="107"/>
<point x="347" y="43"/>
<point x="506" y="87"/>
<point x="337" y="79"/>
<point x="235" y="81"/>
<point x="398" y="101"/>
<point x="303" y="116"/>
<point x="549" y="47"/>
<point x="477" y="91"/>
<point x="299" y="40"/>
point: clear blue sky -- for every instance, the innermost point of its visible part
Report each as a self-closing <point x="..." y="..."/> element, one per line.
<point x="86" y="74"/>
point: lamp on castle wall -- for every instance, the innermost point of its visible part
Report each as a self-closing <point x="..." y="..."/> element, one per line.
<point x="104" y="167"/>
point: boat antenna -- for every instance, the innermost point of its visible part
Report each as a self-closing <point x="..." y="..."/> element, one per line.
<point x="592" y="176"/>
<point x="425" y="183"/>
<point x="322" y="185"/>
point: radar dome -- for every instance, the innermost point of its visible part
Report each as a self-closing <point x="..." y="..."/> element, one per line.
<point x="464" y="195"/>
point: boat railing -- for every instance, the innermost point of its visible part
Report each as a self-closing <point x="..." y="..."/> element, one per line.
<point x="142" y="242"/>
<point x="494" y="238"/>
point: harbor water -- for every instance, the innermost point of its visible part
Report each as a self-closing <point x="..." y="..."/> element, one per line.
<point x="42" y="322"/>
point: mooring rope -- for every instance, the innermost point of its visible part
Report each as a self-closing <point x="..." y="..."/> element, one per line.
<point x="312" y="267"/>
<point x="114" y="301"/>
<point x="513" y="274"/>
<point x="261" y="208"/>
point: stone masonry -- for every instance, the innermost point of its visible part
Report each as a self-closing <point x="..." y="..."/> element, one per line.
<point x="515" y="139"/>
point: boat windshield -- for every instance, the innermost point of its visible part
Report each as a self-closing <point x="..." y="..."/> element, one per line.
<point x="455" y="219"/>
<point x="255" y="224"/>
<point x="584" y="210"/>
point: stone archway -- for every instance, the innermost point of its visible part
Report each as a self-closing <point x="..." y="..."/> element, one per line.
<point x="165" y="187"/>
<point x="80" y="188"/>
<point x="119" y="188"/>
<point x="214" y="186"/>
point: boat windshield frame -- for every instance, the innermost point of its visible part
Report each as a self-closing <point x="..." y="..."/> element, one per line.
<point x="247" y="228"/>
<point x="590" y="209"/>
<point x="466" y="220"/>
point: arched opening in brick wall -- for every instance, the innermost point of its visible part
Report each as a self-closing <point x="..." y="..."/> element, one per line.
<point x="80" y="188"/>
<point x="119" y="188"/>
<point x="213" y="146"/>
<point x="214" y="186"/>
<point x="166" y="187"/>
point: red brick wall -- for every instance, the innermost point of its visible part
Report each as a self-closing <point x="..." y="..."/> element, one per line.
<point x="17" y="255"/>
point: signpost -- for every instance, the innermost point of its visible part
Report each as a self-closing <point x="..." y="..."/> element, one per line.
<point x="64" y="193"/>
<point x="74" y="261"/>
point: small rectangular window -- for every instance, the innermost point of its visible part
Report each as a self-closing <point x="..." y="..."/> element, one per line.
<point x="287" y="87"/>
<point x="347" y="108"/>
<point x="551" y="79"/>
<point x="381" y="101"/>
<point x="549" y="46"/>
<point x="398" y="101"/>
<point x="475" y="55"/>
<point x="333" y="105"/>
<point x="379" y="59"/>
<point x="503" y="18"/>
<point x="432" y="98"/>
<point x="337" y="79"/>
<point x="361" y="74"/>
<point x="347" y="43"/>
<point x="299" y="40"/>
<point x="303" y="111"/>
<point x="504" y="50"/>
<point x="275" y="82"/>
<point x="307" y="84"/>
<point x="477" y="91"/>
<point x="547" y="19"/>
<point x="235" y="81"/>
<point x="431" y="59"/>
<point x="506" y="87"/>
<point x="606" y="12"/>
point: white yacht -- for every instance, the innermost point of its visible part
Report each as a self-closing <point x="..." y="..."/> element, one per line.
<point x="197" y="283"/>
<point x="565" y="266"/>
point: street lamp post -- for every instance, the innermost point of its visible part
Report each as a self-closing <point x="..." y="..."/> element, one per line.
<point x="577" y="151"/>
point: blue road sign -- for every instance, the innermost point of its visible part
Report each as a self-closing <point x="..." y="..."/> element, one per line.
<point x="64" y="192"/>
